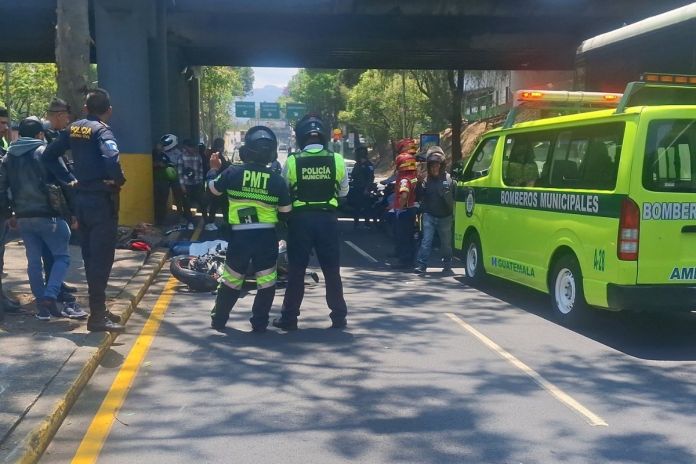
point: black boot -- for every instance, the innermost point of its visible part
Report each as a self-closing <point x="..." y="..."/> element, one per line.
<point x="115" y="318"/>
<point x="104" y="325"/>
<point x="65" y="288"/>
<point x="9" y="304"/>
<point x="284" y="324"/>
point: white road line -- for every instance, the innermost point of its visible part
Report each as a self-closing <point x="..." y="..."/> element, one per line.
<point x="361" y="251"/>
<point x="556" y="392"/>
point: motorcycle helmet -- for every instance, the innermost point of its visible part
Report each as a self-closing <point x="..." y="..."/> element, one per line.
<point x="361" y="153"/>
<point x="308" y="126"/>
<point x="170" y="173"/>
<point x="168" y="141"/>
<point x="436" y="155"/>
<point x="406" y="145"/>
<point x="405" y="162"/>
<point x="260" y="146"/>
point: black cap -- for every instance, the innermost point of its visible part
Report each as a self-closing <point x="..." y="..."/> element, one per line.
<point x="30" y="127"/>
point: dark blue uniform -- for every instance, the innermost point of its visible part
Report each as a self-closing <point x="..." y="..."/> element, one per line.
<point x="97" y="169"/>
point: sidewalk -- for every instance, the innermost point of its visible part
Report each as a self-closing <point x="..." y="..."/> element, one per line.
<point x="44" y="365"/>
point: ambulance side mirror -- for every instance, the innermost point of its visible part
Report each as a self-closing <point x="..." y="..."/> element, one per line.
<point x="458" y="171"/>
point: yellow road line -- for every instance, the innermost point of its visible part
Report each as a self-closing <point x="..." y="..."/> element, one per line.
<point x="555" y="391"/>
<point x="98" y="431"/>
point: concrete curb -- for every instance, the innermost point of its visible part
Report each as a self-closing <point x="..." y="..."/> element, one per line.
<point x="32" y="447"/>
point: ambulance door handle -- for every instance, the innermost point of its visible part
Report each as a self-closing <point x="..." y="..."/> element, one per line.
<point x="689" y="230"/>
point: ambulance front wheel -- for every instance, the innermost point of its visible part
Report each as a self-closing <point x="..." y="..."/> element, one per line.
<point x="567" y="293"/>
<point x="473" y="259"/>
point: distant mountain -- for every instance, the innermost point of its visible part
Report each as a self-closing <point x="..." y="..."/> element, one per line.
<point x="269" y="93"/>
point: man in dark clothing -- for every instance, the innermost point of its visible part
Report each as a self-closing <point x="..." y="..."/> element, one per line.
<point x="99" y="180"/>
<point x="9" y="305"/>
<point x="256" y="198"/>
<point x="361" y="179"/>
<point x="436" y="197"/>
<point x="23" y="175"/>
<point x="317" y="179"/>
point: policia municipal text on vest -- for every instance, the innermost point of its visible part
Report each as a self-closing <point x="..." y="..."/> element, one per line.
<point x="256" y="198"/>
<point x="317" y="179"/>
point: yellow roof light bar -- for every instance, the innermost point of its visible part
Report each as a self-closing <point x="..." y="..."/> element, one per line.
<point x="561" y="96"/>
<point x="662" y="78"/>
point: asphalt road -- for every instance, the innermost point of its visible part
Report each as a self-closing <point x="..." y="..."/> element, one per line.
<point x="428" y="371"/>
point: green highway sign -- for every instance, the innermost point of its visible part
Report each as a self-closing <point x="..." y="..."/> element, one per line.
<point x="270" y="110"/>
<point x="245" y="109"/>
<point x="294" y="111"/>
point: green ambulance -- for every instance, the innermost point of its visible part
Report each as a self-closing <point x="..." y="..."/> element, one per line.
<point x="596" y="209"/>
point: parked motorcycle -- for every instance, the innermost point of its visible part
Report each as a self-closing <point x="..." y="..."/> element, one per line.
<point x="202" y="273"/>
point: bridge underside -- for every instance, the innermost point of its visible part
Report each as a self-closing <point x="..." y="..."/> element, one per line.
<point x="474" y="34"/>
<point x="145" y="49"/>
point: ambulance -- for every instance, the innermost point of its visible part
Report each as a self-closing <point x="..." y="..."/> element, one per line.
<point x="597" y="209"/>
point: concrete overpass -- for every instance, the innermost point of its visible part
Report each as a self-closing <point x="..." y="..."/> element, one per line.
<point x="146" y="48"/>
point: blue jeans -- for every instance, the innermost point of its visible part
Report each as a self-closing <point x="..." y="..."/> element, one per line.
<point x="55" y="234"/>
<point x="443" y="226"/>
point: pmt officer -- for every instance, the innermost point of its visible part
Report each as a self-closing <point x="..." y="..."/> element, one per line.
<point x="317" y="179"/>
<point x="99" y="177"/>
<point x="257" y="196"/>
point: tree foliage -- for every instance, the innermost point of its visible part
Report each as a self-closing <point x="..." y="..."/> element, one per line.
<point x="219" y="86"/>
<point x="31" y="88"/>
<point x="376" y="106"/>
<point x="321" y="90"/>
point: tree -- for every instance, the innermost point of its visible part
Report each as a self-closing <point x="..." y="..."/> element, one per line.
<point x="375" y="106"/>
<point x="30" y="88"/>
<point x="219" y="86"/>
<point x="449" y="91"/>
<point x="322" y="92"/>
<point x="72" y="51"/>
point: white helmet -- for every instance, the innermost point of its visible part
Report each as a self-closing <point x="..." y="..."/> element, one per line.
<point x="169" y="141"/>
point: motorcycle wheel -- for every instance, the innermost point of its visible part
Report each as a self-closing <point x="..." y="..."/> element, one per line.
<point x="180" y="267"/>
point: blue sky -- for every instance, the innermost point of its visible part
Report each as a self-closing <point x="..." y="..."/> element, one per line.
<point x="273" y="76"/>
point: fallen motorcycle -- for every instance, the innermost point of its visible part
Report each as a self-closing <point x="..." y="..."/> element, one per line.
<point x="202" y="273"/>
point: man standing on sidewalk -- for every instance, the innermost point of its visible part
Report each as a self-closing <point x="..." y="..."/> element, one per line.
<point x="99" y="180"/>
<point x="23" y="175"/>
<point x="7" y="304"/>
<point x="58" y="116"/>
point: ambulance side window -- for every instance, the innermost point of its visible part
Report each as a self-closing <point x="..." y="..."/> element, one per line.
<point x="480" y="164"/>
<point x="525" y="159"/>
<point x="587" y="157"/>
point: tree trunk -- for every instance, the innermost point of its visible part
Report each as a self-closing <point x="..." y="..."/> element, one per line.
<point x="458" y="93"/>
<point x="72" y="52"/>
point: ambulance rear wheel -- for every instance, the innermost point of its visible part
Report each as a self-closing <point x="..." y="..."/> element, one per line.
<point x="473" y="259"/>
<point x="567" y="293"/>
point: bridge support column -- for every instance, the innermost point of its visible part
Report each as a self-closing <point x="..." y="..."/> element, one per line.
<point x="122" y="31"/>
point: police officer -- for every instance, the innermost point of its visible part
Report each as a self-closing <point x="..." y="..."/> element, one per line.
<point x="257" y="197"/>
<point x="317" y="178"/>
<point x="99" y="178"/>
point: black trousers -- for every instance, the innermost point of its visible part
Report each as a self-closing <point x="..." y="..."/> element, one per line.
<point x="97" y="214"/>
<point x="161" y="192"/>
<point x="404" y="228"/>
<point x="318" y="230"/>
<point x="260" y="248"/>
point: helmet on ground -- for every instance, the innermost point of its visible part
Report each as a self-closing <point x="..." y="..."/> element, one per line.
<point x="170" y="173"/>
<point x="405" y="162"/>
<point x="169" y="141"/>
<point x="260" y="145"/>
<point x="406" y="145"/>
<point x="310" y="125"/>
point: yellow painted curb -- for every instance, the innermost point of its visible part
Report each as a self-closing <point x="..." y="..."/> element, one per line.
<point x="38" y="439"/>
